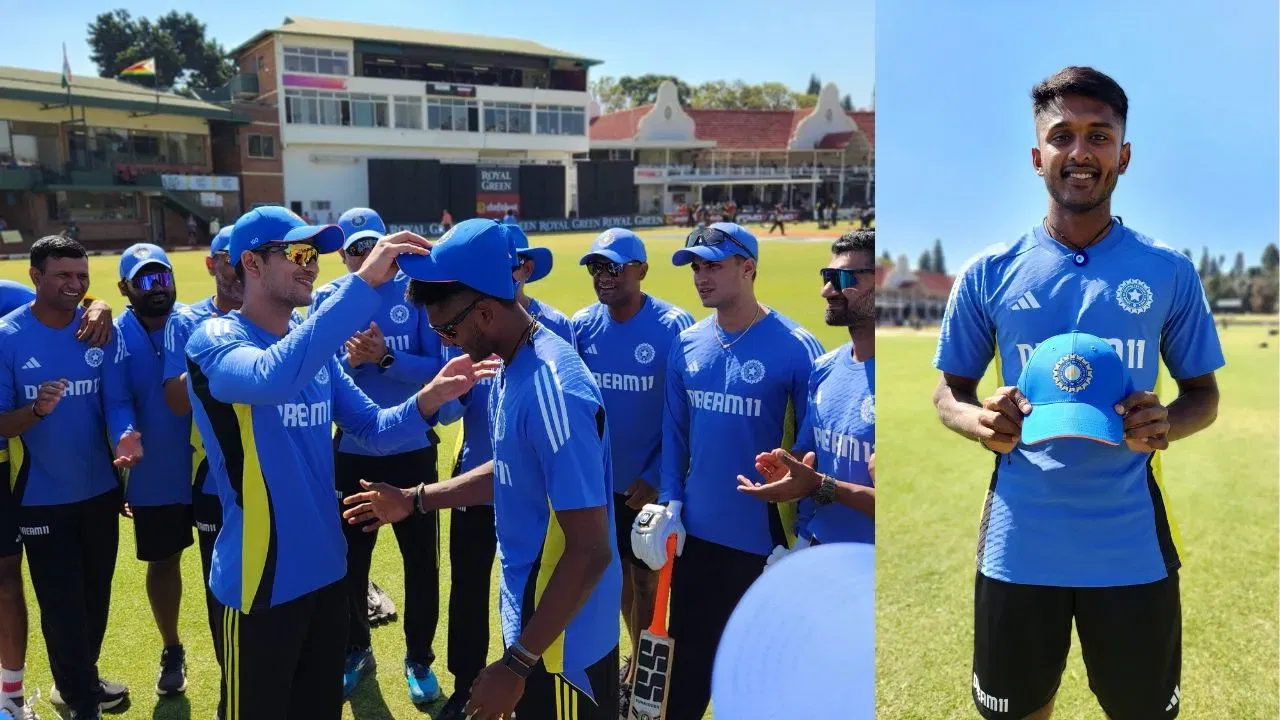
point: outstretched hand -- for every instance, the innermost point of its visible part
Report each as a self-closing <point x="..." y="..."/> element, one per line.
<point x="786" y="478"/>
<point x="379" y="505"/>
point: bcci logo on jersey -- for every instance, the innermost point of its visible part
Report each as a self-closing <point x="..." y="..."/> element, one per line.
<point x="752" y="371"/>
<point x="868" y="410"/>
<point x="1134" y="296"/>
<point x="399" y="314"/>
<point x="93" y="357"/>
<point x="645" y="353"/>
<point x="1072" y="373"/>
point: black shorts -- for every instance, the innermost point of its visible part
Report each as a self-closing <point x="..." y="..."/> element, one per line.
<point x="10" y="538"/>
<point x="161" y="531"/>
<point x="548" y="696"/>
<point x="1130" y="637"/>
<point x="206" y="512"/>
<point x="623" y="518"/>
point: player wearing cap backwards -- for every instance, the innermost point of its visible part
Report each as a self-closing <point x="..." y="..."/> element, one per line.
<point x="472" y="542"/>
<point x="624" y="339"/>
<point x="266" y="392"/>
<point x="95" y="329"/>
<point x="737" y="382"/>
<point x="550" y="480"/>
<point x="1093" y="539"/>
<point x="61" y="398"/>
<point x="390" y="360"/>
<point x="835" y="481"/>
<point x="158" y="489"/>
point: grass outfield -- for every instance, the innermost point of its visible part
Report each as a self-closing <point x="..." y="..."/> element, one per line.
<point x="1223" y="489"/>
<point x="788" y="281"/>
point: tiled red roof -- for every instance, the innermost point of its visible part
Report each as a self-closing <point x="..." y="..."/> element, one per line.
<point x="736" y="129"/>
<point x="932" y="284"/>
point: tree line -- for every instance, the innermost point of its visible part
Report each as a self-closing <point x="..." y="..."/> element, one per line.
<point x="626" y="92"/>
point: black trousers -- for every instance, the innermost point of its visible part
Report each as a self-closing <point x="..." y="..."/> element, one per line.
<point x="207" y="510"/>
<point x="707" y="582"/>
<point x="71" y="551"/>
<point x="473" y="543"/>
<point x="285" y="662"/>
<point x="418" y="537"/>
<point x="547" y="696"/>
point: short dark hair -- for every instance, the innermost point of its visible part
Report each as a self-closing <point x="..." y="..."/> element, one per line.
<point x="1084" y="82"/>
<point x="55" y="246"/>
<point x="422" y="293"/>
<point x="854" y="241"/>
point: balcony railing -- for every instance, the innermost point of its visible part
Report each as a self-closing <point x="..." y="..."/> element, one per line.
<point x="675" y="171"/>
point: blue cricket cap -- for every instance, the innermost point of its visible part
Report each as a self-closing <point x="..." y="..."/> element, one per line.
<point x="616" y="245"/>
<point x="726" y="249"/>
<point x="359" y="223"/>
<point x="478" y="253"/>
<point x="779" y="658"/>
<point x="274" y="224"/>
<point x="540" y="256"/>
<point x="221" y="242"/>
<point x="139" y="256"/>
<point x="1073" y="382"/>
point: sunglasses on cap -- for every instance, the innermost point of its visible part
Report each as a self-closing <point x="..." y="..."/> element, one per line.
<point x="841" y="278"/>
<point x="712" y="237"/>
<point x="449" y="330"/>
<point x="153" y="281"/>
<point x="361" y="247"/>
<point x="614" y="269"/>
<point x="301" y="254"/>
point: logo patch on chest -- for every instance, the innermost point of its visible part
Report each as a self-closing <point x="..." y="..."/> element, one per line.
<point x="1134" y="296"/>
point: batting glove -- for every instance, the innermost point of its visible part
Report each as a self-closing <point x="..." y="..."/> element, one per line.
<point x="780" y="552"/>
<point x="650" y="530"/>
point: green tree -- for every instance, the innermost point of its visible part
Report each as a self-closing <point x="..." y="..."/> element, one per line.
<point x="1237" y="268"/>
<point x="187" y="60"/>
<point x="925" y="264"/>
<point x="1270" y="258"/>
<point x="815" y="85"/>
<point x="939" y="263"/>
<point x="846" y="102"/>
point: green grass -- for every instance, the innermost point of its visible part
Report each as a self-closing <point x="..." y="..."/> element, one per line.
<point x="1222" y="483"/>
<point x="788" y="281"/>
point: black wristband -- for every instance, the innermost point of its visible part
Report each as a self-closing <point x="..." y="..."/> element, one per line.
<point x="515" y="664"/>
<point x="37" y="412"/>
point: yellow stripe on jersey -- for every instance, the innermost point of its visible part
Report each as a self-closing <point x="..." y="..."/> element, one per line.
<point x="231" y="660"/>
<point x="1157" y="473"/>
<point x="788" y="512"/>
<point x="255" y="541"/>
<point x="199" y="453"/>
<point x="552" y="549"/>
<point x="17" y="453"/>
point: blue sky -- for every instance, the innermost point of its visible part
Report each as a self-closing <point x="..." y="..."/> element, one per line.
<point x="954" y="129"/>
<point x="696" y="41"/>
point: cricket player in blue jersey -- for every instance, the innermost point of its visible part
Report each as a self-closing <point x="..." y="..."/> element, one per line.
<point x="67" y="405"/>
<point x="472" y="541"/>
<point x="1074" y="529"/>
<point x="158" y="489"/>
<point x="737" y="381"/>
<point x="835" y="480"/>
<point x="389" y="361"/>
<point x="550" y="480"/>
<point x="624" y="339"/>
<point x="266" y="392"/>
<point x="95" y="329"/>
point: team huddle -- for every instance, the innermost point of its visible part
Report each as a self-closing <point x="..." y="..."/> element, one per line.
<point x="287" y="440"/>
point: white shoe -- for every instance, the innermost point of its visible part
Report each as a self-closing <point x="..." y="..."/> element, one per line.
<point x="10" y="710"/>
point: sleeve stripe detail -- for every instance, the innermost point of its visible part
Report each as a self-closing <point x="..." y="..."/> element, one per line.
<point x="810" y="342"/>
<point x="555" y="416"/>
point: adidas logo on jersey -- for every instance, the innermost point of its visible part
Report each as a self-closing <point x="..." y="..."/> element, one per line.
<point x="591" y="350"/>
<point x="31" y="364"/>
<point x="1026" y="302"/>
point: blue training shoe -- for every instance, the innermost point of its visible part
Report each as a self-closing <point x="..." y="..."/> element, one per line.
<point x="359" y="664"/>
<point x="423" y="685"/>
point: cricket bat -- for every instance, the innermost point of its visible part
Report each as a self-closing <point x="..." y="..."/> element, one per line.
<point x="653" y="655"/>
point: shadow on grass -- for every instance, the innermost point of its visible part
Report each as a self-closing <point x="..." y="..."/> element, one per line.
<point x="172" y="708"/>
<point x="367" y="702"/>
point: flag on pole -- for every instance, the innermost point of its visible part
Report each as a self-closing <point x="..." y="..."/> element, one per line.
<point x="66" y="68"/>
<point x="142" y="67"/>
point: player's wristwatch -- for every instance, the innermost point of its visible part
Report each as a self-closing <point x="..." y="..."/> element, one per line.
<point x="386" y="360"/>
<point x="825" y="493"/>
<point x="517" y="663"/>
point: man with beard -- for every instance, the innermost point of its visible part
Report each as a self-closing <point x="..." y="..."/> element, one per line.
<point x="158" y="489"/>
<point x="1073" y="530"/>
<point x="835" y="481"/>
<point x="737" y="381"/>
<point x="95" y="329"/>
<point x="61" y="398"/>
<point x="550" y="481"/>
<point x="624" y="339"/>
<point x="266" y="393"/>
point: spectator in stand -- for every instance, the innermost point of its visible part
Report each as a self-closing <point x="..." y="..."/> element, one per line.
<point x="191" y="229"/>
<point x="446" y="220"/>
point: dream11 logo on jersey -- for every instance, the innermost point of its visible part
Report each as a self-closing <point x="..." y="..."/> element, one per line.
<point x="1132" y="351"/>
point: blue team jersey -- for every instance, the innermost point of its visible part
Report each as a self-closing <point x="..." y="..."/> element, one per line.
<point x="1074" y="512"/>
<point x="265" y="406"/>
<point x="409" y="337"/>
<point x="723" y="407"/>
<point x="840" y="428"/>
<point x="67" y="456"/>
<point x="163" y="476"/>
<point x="475" y="447"/>
<point x="13" y="296"/>
<point x="551" y="454"/>
<point x="629" y="363"/>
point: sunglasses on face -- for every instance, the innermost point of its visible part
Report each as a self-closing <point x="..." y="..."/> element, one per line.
<point x="841" y="278"/>
<point x="449" y="330"/>
<point x="153" y="281"/>
<point x="712" y="237"/>
<point x="614" y="269"/>
<point x="301" y="254"/>
<point x="361" y="247"/>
